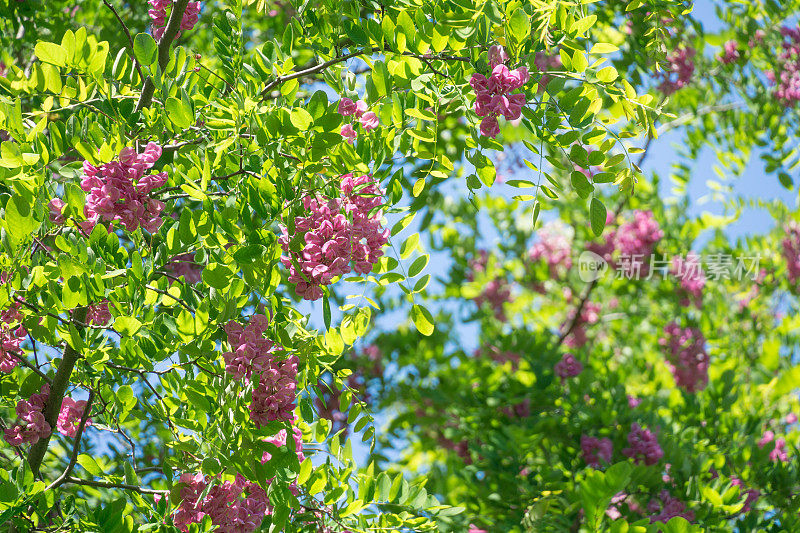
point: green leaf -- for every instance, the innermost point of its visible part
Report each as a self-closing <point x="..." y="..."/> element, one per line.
<point x="418" y="265"/>
<point x="607" y="75"/>
<point x="90" y="465"/>
<point x="51" y="53"/>
<point x="145" y="49"/>
<point x="422" y="319"/>
<point x="127" y="325"/>
<point x="20" y="221"/>
<point x="179" y="113"/>
<point x="301" y="119"/>
<point x="597" y="216"/>
<point x="126" y="397"/>
<point x="326" y="311"/>
<point x="579" y="61"/>
<point x="520" y="25"/>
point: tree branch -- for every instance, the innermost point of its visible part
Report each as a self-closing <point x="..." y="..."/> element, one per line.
<point x="57" y="390"/>
<point x="76" y="447"/>
<point x="110" y="485"/>
<point x="173" y="26"/>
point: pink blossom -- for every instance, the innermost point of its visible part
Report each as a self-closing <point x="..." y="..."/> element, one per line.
<point x="57" y="206"/>
<point x="70" y="415"/>
<point x="730" y="52"/>
<point x="346" y="107"/>
<point x="686" y="356"/>
<point x="779" y="452"/>
<point x="158" y="16"/>
<point x="668" y="508"/>
<point x="752" y="495"/>
<point x="679" y="71"/>
<point x="768" y="437"/>
<point x="693" y="279"/>
<point x="497" y="55"/>
<point x="369" y="120"/>
<point x="791" y="418"/>
<point x="594" y="450"/>
<point x="348" y="133"/>
<point x="98" y="314"/>
<point x="495" y="293"/>
<point x="32" y="425"/>
<point x="183" y="265"/>
<point x="119" y="190"/>
<point x="643" y="446"/>
<point x="568" y="367"/>
<point x="361" y="108"/>
<point x="555" y="247"/>
<point x="336" y="233"/>
<point x="493" y="96"/>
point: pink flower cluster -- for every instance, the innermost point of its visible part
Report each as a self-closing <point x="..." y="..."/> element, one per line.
<point x="555" y="247"/>
<point x="119" y="190"/>
<point x="275" y="394"/>
<point x="70" y="416"/>
<point x="595" y="449"/>
<point x="643" y="446"/>
<point x="788" y="78"/>
<point x="791" y="252"/>
<point x="336" y="232"/>
<point x="495" y="293"/>
<point x="10" y="337"/>
<point x="98" y="314"/>
<point x="693" y="279"/>
<point x="568" y="367"/>
<point x="668" y="508"/>
<point x="158" y="14"/>
<point x="368" y="119"/>
<point x="686" y="356"/>
<point x="778" y="453"/>
<point x="234" y="506"/>
<point x="184" y="265"/>
<point x="32" y="425"/>
<point x="730" y="53"/>
<point x="635" y="240"/>
<point x="493" y="95"/>
<point x="680" y="71"/>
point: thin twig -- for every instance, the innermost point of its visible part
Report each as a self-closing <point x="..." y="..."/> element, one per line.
<point x="128" y="34"/>
<point x="33" y="367"/>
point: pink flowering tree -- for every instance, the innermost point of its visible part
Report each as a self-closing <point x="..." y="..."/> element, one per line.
<point x="242" y="244"/>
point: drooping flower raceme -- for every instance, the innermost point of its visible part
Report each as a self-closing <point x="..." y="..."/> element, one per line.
<point x="791" y="252"/>
<point x="680" y="70"/>
<point x="555" y="247"/>
<point x="120" y="190"/>
<point x="360" y="110"/>
<point x="255" y="357"/>
<point x="494" y="95"/>
<point x="568" y="367"/>
<point x="12" y="333"/>
<point x="339" y="234"/>
<point x="32" y="425"/>
<point x="70" y="415"/>
<point x="237" y="506"/>
<point x="786" y="75"/>
<point x="692" y="277"/>
<point x="686" y="356"/>
<point x="158" y="14"/>
<point x="643" y="446"/>
<point x="668" y="508"/>
<point x="98" y="314"/>
<point x="594" y="450"/>
<point x="635" y="240"/>
<point x="730" y="52"/>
